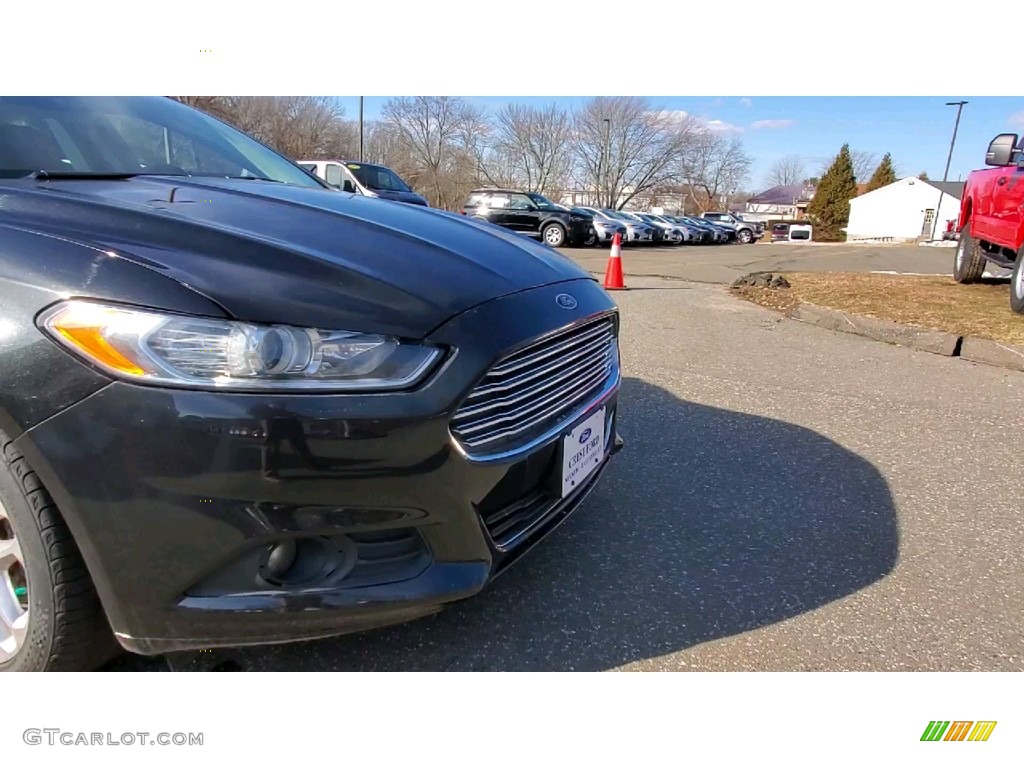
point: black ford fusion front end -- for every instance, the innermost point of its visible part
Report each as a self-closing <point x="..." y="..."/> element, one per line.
<point x="267" y="411"/>
<point x="215" y="519"/>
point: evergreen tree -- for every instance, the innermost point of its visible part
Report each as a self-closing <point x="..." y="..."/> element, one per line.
<point x="829" y="211"/>
<point x="884" y="174"/>
<point x="923" y="176"/>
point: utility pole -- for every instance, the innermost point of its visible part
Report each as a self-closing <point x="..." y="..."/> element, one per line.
<point x="949" y="158"/>
<point x="606" y="156"/>
<point x="360" y="129"/>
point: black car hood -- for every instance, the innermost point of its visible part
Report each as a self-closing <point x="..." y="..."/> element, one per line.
<point x="269" y="252"/>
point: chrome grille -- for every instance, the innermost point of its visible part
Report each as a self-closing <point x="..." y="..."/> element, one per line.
<point x="535" y="389"/>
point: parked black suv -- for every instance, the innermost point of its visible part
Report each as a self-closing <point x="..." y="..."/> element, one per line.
<point x="533" y="215"/>
<point x="239" y="407"/>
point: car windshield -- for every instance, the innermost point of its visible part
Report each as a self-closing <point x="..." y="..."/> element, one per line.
<point x="542" y="202"/>
<point x="114" y="136"/>
<point x="377" y="177"/>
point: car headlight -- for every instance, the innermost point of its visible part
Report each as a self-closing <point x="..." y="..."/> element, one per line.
<point x="149" y="346"/>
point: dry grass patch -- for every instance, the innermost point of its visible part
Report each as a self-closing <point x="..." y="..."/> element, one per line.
<point x="981" y="310"/>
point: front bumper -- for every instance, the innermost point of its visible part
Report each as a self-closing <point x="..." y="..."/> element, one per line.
<point x="176" y="496"/>
<point x="607" y="235"/>
<point x="579" y="231"/>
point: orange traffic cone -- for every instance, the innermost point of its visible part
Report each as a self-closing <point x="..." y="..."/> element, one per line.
<point x="613" y="275"/>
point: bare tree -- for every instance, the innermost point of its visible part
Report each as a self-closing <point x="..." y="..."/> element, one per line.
<point x="432" y="130"/>
<point x="786" y="171"/>
<point x="715" y="168"/>
<point x="538" y="141"/>
<point x="296" y="126"/>
<point x="864" y="164"/>
<point x="494" y="163"/>
<point x="381" y="145"/>
<point x="624" y="147"/>
<point x="213" y="105"/>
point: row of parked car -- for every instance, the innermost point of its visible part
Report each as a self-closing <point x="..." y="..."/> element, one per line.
<point x="558" y="225"/>
<point x="534" y="215"/>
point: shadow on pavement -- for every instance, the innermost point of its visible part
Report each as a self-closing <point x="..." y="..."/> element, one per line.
<point x="709" y="524"/>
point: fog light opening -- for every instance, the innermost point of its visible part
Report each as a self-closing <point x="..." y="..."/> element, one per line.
<point x="280" y="560"/>
<point x="307" y="561"/>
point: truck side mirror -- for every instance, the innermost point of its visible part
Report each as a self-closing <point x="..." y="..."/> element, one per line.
<point x="1001" y="150"/>
<point x="348" y="186"/>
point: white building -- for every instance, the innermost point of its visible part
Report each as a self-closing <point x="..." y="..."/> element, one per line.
<point x="904" y="210"/>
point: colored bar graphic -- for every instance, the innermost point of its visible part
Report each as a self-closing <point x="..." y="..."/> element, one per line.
<point x="959" y="730"/>
<point x="982" y="730"/>
<point x="935" y="730"/>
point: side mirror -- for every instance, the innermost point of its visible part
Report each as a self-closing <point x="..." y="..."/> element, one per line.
<point x="1001" y="149"/>
<point x="348" y="186"/>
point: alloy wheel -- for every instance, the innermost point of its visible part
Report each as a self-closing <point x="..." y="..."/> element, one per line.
<point x="13" y="591"/>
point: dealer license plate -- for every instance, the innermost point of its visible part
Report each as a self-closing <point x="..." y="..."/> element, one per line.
<point x="582" y="452"/>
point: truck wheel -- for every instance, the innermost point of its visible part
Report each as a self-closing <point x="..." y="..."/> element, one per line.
<point x="50" y="614"/>
<point x="554" y="235"/>
<point x="746" y="236"/>
<point x="1017" y="284"/>
<point x="969" y="264"/>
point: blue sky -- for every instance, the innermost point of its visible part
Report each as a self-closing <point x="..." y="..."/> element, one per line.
<point x="916" y="130"/>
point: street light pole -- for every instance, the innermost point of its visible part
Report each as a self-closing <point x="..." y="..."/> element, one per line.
<point x="605" y="155"/>
<point x="949" y="158"/>
<point x="360" y="129"/>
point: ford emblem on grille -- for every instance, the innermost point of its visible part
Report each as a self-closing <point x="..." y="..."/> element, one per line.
<point x="585" y="436"/>
<point x="565" y="301"/>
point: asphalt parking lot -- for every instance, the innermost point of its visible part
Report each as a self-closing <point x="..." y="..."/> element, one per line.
<point x="724" y="263"/>
<point x="788" y="499"/>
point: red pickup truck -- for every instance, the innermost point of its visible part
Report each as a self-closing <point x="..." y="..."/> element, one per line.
<point x="992" y="217"/>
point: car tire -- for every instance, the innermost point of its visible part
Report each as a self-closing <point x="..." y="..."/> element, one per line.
<point x="61" y="625"/>
<point x="745" y="236"/>
<point x="592" y="240"/>
<point x="554" y="235"/>
<point x="969" y="261"/>
<point x="1017" y="284"/>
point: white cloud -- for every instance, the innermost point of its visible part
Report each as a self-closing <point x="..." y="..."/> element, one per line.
<point x="1016" y="120"/>
<point x="745" y="102"/>
<point x="760" y="125"/>
<point x="715" y="126"/>
<point x="720" y="126"/>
